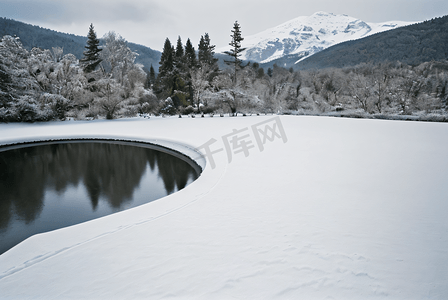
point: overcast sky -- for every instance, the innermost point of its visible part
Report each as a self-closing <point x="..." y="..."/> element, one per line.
<point x="149" y="22"/>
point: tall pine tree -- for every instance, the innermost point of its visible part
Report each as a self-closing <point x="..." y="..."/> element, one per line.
<point x="190" y="55"/>
<point x="235" y="51"/>
<point x="91" y="58"/>
<point x="206" y="57"/>
<point x="179" y="58"/>
<point x="192" y="64"/>
<point x="179" y="48"/>
<point x="152" y="76"/>
<point x="206" y="51"/>
<point x="165" y="78"/>
<point x="180" y="83"/>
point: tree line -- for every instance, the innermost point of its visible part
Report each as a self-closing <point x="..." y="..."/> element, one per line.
<point x="41" y="85"/>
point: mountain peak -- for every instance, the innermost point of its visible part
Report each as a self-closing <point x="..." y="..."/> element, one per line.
<point x="306" y="35"/>
<point x="322" y="14"/>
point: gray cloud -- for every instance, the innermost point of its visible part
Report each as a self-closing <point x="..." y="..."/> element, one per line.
<point x="149" y="22"/>
<point x="65" y="12"/>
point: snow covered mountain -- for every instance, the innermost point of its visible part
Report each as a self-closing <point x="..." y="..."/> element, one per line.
<point x="307" y="35"/>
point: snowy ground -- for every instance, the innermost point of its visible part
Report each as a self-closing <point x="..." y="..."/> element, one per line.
<point x="344" y="209"/>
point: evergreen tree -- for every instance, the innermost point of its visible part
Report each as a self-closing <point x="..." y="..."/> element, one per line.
<point x="180" y="63"/>
<point x="165" y="79"/>
<point x="235" y="51"/>
<point x="166" y="60"/>
<point x="91" y="57"/>
<point x="180" y="78"/>
<point x="190" y="55"/>
<point x="206" y="52"/>
<point x="191" y="64"/>
<point x="206" y="58"/>
<point x="179" y="48"/>
<point x="152" y="76"/>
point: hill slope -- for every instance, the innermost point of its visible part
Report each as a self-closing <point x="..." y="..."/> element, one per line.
<point x="413" y="44"/>
<point x="306" y="35"/>
<point x="35" y="36"/>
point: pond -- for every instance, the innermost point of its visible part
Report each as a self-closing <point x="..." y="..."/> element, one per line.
<point x="46" y="186"/>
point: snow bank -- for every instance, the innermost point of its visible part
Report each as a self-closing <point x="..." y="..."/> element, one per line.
<point x="341" y="209"/>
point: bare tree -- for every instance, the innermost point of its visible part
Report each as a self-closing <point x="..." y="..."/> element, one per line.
<point x="199" y="81"/>
<point x="110" y="96"/>
<point x="381" y="79"/>
<point x="361" y="91"/>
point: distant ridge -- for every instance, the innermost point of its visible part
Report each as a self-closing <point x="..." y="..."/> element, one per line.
<point x="413" y="44"/>
<point x="35" y="36"/>
<point x="304" y="36"/>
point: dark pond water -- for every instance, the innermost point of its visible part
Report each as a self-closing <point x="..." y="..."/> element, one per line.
<point x="49" y="186"/>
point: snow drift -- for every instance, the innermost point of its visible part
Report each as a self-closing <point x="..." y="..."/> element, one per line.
<point x="342" y="209"/>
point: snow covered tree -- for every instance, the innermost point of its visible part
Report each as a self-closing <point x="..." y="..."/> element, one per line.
<point x="92" y="55"/>
<point x="199" y="82"/>
<point x="5" y="85"/>
<point x="20" y="89"/>
<point x="124" y="80"/>
<point x="362" y="90"/>
<point x="15" y="64"/>
<point x="117" y="58"/>
<point x="206" y="68"/>
<point x="235" y="51"/>
<point x="111" y="96"/>
<point x="55" y="74"/>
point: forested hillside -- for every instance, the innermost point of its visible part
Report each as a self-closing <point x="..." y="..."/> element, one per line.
<point x="34" y="36"/>
<point x="412" y="45"/>
<point x="107" y="82"/>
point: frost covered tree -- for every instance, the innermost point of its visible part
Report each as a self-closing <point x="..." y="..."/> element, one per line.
<point x="91" y="58"/>
<point x="119" y="61"/>
<point x="199" y="82"/>
<point x="111" y="96"/>
<point x="62" y="76"/>
<point x="20" y="91"/>
<point x="123" y="80"/>
<point x="117" y="57"/>
<point x="15" y="65"/>
<point x="5" y="84"/>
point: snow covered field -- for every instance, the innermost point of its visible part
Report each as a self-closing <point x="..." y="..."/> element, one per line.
<point x="332" y="208"/>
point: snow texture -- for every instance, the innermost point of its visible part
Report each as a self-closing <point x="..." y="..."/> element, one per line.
<point x="344" y="209"/>
<point x="307" y="35"/>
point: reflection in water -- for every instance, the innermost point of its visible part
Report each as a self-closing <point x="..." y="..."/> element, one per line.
<point x="41" y="178"/>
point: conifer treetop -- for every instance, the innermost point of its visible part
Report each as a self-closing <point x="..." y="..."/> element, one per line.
<point x="235" y="51"/>
<point x="91" y="57"/>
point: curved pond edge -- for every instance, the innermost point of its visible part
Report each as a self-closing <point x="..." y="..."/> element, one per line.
<point x="187" y="153"/>
<point x="41" y="247"/>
